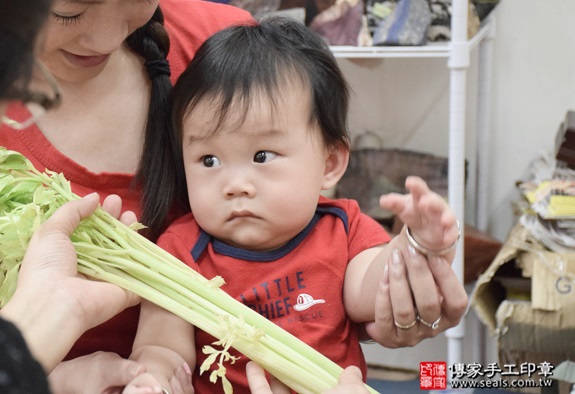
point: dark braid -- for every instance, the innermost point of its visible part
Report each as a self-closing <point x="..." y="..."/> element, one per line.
<point x="161" y="150"/>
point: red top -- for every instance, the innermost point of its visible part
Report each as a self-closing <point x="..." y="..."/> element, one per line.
<point x="189" y="23"/>
<point x="298" y="286"/>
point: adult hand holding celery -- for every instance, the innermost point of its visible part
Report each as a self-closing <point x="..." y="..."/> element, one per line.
<point x="111" y="251"/>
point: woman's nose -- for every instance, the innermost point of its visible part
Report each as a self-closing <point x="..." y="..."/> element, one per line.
<point x="105" y="35"/>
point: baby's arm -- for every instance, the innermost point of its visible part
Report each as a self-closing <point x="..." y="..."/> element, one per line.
<point x="432" y="225"/>
<point x="164" y="343"/>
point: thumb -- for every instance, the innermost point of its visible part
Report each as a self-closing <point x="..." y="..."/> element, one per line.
<point x="351" y="375"/>
<point x="67" y="217"/>
<point x="124" y="371"/>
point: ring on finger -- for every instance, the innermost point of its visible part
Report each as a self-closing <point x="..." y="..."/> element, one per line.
<point x="407" y="326"/>
<point x="433" y="325"/>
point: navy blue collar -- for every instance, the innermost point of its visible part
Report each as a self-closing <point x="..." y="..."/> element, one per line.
<point x="269" y="255"/>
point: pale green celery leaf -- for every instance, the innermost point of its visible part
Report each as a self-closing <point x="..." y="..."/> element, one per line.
<point x="137" y="226"/>
<point x="228" y="389"/>
<point x="12" y="160"/>
<point x="213" y="354"/>
<point x="48" y="200"/>
<point x="9" y="285"/>
<point x="14" y="192"/>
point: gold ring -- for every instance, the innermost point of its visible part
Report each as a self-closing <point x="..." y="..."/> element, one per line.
<point x="407" y="326"/>
<point x="164" y="391"/>
<point x="433" y="325"/>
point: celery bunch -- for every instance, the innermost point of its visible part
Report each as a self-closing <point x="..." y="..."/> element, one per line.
<point x="111" y="251"/>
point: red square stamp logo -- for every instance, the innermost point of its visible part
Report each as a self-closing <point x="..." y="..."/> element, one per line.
<point x="433" y="375"/>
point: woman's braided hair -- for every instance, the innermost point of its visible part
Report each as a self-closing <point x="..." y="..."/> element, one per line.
<point x="152" y="43"/>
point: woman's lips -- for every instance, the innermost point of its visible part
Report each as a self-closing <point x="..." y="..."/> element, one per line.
<point x="86" y="61"/>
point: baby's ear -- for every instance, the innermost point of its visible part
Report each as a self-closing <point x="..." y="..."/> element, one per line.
<point x="335" y="165"/>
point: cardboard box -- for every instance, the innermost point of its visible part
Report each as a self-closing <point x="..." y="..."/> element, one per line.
<point x="527" y="299"/>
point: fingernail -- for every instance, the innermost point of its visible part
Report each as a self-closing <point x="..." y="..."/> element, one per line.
<point x="187" y="369"/>
<point x="386" y="275"/>
<point x="411" y="250"/>
<point x="395" y="257"/>
<point x="357" y="372"/>
<point x="90" y="196"/>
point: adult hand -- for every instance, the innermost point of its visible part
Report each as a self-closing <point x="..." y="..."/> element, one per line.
<point x="96" y="373"/>
<point x="414" y="286"/>
<point x="53" y="305"/>
<point x="146" y="383"/>
<point x="181" y="382"/>
<point x="418" y="296"/>
<point x="350" y="382"/>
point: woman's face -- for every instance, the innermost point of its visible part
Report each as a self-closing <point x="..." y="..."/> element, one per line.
<point x="81" y="35"/>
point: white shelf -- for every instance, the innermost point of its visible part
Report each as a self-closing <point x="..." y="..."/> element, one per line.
<point x="457" y="52"/>
<point x="431" y="50"/>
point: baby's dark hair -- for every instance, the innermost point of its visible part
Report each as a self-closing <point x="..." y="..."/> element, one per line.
<point x="262" y="58"/>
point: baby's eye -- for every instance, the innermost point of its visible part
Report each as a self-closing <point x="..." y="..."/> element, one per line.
<point x="211" y="161"/>
<point x="264" y="156"/>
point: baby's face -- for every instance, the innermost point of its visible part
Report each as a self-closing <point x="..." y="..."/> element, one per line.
<point x="255" y="184"/>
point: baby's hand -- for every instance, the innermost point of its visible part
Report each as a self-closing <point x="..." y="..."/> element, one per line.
<point x="181" y="382"/>
<point x="143" y="384"/>
<point x="431" y="222"/>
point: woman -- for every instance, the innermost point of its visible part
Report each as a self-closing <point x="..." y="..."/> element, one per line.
<point x="108" y="58"/>
<point x="37" y="320"/>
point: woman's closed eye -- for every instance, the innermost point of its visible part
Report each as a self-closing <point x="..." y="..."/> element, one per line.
<point x="264" y="156"/>
<point x="67" y="20"/>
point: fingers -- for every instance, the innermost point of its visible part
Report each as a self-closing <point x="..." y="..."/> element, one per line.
<point x="181" y="382"/>
<point x="259" y="384"/>
<point x="407" y="291"/>
<point x="128" y="218"/>
<point x="113" y="205"/>
<point x="416" y="186"/>
<point x="67" y="217"/>
<point x="278" y="387"/>
<point x="351" y="375"/>
<point x="424" y="288"/>
<point x="50" y="244"/>
<point x="350" y="382"/>
<point x="416" y="208"/>
<point x="404" y="313"/>
<point x="257" y="379"/>
<point x="454" y="302"/>
<point x="390" y="309"/>
<point x="122" y="371"/>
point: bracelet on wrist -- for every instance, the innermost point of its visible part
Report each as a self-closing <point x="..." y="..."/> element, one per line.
<point x="430" y="252"/>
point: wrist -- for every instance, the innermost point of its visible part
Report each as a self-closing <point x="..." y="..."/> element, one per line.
<point x="428" y="251"/>
<point x="42" y="322"/>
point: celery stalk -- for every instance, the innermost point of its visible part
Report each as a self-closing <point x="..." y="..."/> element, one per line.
<point x="111" y="251"/>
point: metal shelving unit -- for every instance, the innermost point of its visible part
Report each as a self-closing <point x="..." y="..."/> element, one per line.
<point x="457" y="52"/>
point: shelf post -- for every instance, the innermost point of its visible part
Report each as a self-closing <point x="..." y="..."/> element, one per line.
<point x="458" y="64"/>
